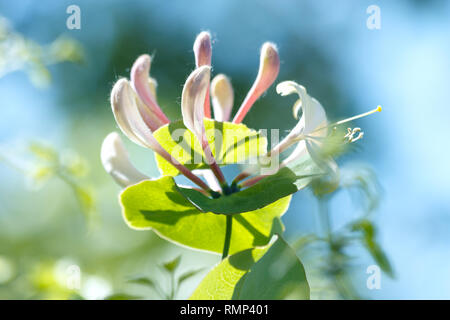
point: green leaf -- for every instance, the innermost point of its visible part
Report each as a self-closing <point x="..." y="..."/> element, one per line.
<point x="122" y="296"/>
<point x="158" y="205"/>
<point x="369" y="240"/>
<point x="143" y="281"/>
<point x="188" y="274"/>
<point x="265" y="192"/>
<point x="268" y="273"/>
<point x="172" y="265"/>
<point x="43" y="152"/>
<point x="230" y="143"/>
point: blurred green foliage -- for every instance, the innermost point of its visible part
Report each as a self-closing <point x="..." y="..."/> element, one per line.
<point x="20" y="53"/>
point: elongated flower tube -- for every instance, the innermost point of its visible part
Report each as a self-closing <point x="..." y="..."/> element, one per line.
<point x="269" y="66"/>
<point x="116" y="161"/>
<point x="222" y="97"/>
<point x="192" y="101"/>
<point x="313" y="117"/>
<point x="132" y="124"/>
<point x="309" y="134"/>
<point x="203" y="52"/>
<point x="140" y="82"/>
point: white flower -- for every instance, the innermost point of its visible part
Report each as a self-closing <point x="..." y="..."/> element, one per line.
<point x="310" y="131"/>
<point x="117" y="163"/>
<point x="131" y="120"/>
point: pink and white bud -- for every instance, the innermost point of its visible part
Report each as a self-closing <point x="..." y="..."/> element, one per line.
<point x="269" y="66"/>
<point x="202" y="49"/>
<point x="140" y="81"/>
<point x="203" y="52"/>
<point x="192" y="100"/>
<point x="222" y="97"/>
<point x="116" y="161"/>
<point x="131" y="122"/>
<point x="124" y="103"/>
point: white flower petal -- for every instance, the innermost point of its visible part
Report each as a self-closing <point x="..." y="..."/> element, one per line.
<point x="117" y="163"/>
<point x="193" y="99"/>
<point x="222" y="97"/>
<point x="140" y="82"/>
<point x="202" y="49"/>
<point x="128" y="117"/>
<point x="313" y="112"/>
<point x="210" y="178"/>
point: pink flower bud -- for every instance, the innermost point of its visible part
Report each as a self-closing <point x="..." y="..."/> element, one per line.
<point x="140" y="81"/>
<point x="269" y="66"/>
<point x="202" y="52"/>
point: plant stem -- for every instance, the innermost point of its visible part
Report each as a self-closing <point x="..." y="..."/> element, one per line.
<point x="226" y="246"/>
<point x="325" y="218"/>
<point x="172" y="286"/>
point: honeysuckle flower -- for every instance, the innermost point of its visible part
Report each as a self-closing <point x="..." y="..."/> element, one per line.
<point x="143" y="87"/>
<point x="269" y="66"/>
<point x="192" y="100"/>
<point x="203" y="52"/>
<point x="222" y="97"/>
<point x="306" y="134"/>
<point x="138" y="115"/>
<point x="311" y="129"/>
<point x="309" y="134"/>
<point x="128" y="116"/>
<point x="192" y="108"/>
<point x="116" y="161"/>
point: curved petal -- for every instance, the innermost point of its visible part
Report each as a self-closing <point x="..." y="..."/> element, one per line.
<point x="203" y="52"/>
<point x="312" y="111"/>
<point x="202" y="49"/>
<point x="128" y="117"/>
<point x="117" y="163"/>
<point x="222" y="97"/>
<point x="140" y="81"/>
<point x="193" y="99"/>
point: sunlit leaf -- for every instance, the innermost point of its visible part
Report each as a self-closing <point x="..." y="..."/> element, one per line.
<point x="230" y="143"/>
<point x="143" y="281"/>
<point x="173" y="264"/>
<point x="43" y="152"/>
<point x="265" y="273"/>
<point x="187" y="275"/>
<point x="370" y="242"/>
<point x="272" y="188"/>
<point x="159" y="205"/>
<point x="122" y="296"/>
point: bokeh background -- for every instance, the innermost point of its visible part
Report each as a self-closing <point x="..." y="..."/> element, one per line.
<point x="49" y="222"/>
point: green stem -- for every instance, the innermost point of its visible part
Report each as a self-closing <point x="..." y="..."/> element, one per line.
<point x="172" y="286"/>
<point x="324" y="217"/>
<point x="226" y="245"/>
